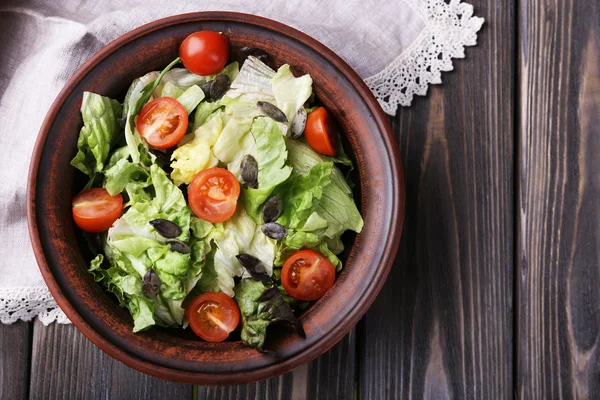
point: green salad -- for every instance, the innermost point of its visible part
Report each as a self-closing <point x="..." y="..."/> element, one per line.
<point x="217" y="192"/>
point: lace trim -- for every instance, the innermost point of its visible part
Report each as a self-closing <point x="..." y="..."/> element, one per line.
<point x="449" y="28"/>
<point x="26" y="302"/>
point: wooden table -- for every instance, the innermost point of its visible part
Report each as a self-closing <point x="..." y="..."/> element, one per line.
<point x="495" y="292"/>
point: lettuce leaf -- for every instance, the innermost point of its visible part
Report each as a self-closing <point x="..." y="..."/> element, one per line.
<point x="133" y="247"/>
<point x="261" y="304"/>
<point x="203" y="112"/>
<point x="301" y="193"/>
<point x="253" y="83"/>
<point x="191" y="98"/>
<point x="238" y="235"/>
<point x="271" y="156"/>
<point x="231" y="139"/>
<point x="290" y="92"/>
<point x="121" y="174"/>
<point x="336" y="204"/>
<point x="196" y="155"/>
<point x="99" y="132"/>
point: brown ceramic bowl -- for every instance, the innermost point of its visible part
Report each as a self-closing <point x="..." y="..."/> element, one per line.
<point x="177" y="354"/>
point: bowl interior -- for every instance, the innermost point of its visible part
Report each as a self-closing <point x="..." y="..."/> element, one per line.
<point x="179" y="354"/>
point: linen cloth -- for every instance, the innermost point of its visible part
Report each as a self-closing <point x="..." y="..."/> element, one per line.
<point x="398" y="46"/>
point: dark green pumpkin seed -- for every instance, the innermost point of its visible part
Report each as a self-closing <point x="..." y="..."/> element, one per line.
<point x="220" y="85"/>
<point x="215" y="89"/>
<point x="179" y="246"/>
<point x="151" y="284"/>
<point x="273" y="230"/>
<point x="272" y="111"/>
<point x="255" y="267"/>
<point x="166" y="228"/>
<point x="272" y="209"/>
<point x="249" y="171"/>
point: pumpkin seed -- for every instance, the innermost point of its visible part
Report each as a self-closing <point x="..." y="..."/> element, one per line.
<point x="163" y="159"/>
<point x="151" y="284"/>
<point x="179" y="246"/>
<point x="215" y="89"/>
<point x="166" y="228"/>
<point x="240" y="55"/>
<point x="220" y="85"/>
<point x="273" y="230"/>
<point x="272" y="209"/>
<point x="255" y="267"/>
<point x="272" y="111"/>
<point x="249" y="171"/>
<point x="299" y="123"/>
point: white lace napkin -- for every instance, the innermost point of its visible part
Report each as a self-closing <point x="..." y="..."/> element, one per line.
<point x="399" y="48"/>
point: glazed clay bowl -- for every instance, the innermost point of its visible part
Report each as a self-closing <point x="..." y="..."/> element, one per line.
<point x="177" y="354"/>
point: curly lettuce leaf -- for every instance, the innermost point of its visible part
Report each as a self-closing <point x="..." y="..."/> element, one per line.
<point x="99" y="132"/>
<point x="133" y="247"/>
<point x="196" y="155"/>
<point x="336" y="204"/>
<point x="261" y="304"/>
<point x="121" y="174"/>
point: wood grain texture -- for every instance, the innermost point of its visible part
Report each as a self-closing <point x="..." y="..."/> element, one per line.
<point x="559" y="200"/>
<point x="65" y="364"/>
<point x="442" y="327"/>
<point x="14" y="353"/>
<point x="331" y="376"/>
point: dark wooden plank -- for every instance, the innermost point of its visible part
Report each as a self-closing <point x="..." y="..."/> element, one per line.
<point x="442" y="326"/>
<point x="65" y="362"/>
<point x="14" y="353"/>
<point x="559" y="200"/>
<point x="330" y="376"/>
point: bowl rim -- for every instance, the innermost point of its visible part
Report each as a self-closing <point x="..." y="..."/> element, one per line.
<point x="279" y="367"/>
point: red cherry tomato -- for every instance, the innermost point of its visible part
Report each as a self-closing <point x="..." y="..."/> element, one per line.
<point x="307" y="275"/>
<point x="162" y="122"/>
<point x="95" y="210"/>
<point x="204" y="52"/>
<point x="213" y="316"/>
<point x="320" y="133"/>
<point x="213" y="194"/>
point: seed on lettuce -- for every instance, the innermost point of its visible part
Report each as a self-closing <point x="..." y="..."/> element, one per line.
<point x="179" y="247"/>
<point x="220" y="85"/>
<point x="249" y="171"/>
<point x="215" y="89"/>
<point x="255" y="268"/>
<point x="151" y="284"/>
<point x="272" y="209"/>
<point x="272" y="111"/>
<point x="274" y="231"/>
<point x="299" y="123"/>
<point x="166" y="228"/>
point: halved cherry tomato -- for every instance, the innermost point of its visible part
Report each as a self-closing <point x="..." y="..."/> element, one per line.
<point x="204" y="52"/>
<point x="162" y="122"/>
<point x="213" y="194"/>
<point x="95" y="210"/>
<point x="320" y="132"/>
<point x="213" y="316"/>
<point x="307" y="275"/>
